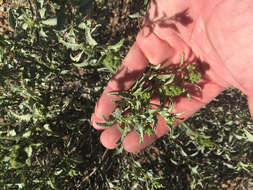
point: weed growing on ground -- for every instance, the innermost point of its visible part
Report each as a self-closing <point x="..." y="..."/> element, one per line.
<point x="51" y="75"/>
<point x="53" y="68"/>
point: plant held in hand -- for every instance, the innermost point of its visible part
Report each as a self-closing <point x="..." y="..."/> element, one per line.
<point x="135" y="109"/>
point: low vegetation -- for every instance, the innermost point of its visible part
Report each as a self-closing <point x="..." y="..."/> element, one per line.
<point x="55" y="61"/>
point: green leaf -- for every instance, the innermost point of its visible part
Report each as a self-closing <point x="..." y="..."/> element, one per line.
<point x="229" y="165"/>
<point x="15" y="164"/>
<point x="88" y="35"/>
<point x="27" y="134"/>
<point x="72" y="46"/>
<point x="12" y="133"/>
<point x="111" y="62"/>
<point x="135" y="15"/>
<point x="116" y="47"/>
<point x="182" y="60"/>
<point x="64" y="72"/>
<point x="206" y="142"/>
<point x="42" y="33"/>
<point x="16" y="138"/>
<point x="25" y="26"/>
<point x="50" y="22"/>
<point x="29" y="151"/>
<point x="47" y="128"/>
<point x="174" y="162"/>
<point x="25" y="117"/>
<point x="107" y="123"/>
<point x="52" y="183"/>
<point x="41" y="3"/>
<point x="42" y="12"/>
<point x="140" y="131"/>
<point x="77" y="57"/>
<point x="194" y="170"/>
<point x="183" y="152"/>
<point x="83" y="64"/>
<point x="248" y="135"/>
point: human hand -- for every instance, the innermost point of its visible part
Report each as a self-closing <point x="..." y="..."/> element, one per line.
<point x="217" y="32"/>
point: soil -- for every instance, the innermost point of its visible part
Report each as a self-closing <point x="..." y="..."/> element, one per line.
<point x="116" y="23"/>
<point x="4" y="17"/>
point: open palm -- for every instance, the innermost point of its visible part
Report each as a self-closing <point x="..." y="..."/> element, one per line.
<point x="218" y="33"/>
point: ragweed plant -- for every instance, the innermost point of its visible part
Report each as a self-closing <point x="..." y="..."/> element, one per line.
<point x="135" y="109"/>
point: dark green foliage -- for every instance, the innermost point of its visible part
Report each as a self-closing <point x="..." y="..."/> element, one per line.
<point x="54" y="66"/>
<point x="50" y="77"/>
<point x="135" y="109"/>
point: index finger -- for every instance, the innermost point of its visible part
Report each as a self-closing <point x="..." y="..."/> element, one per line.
<point x="148" y="48"/>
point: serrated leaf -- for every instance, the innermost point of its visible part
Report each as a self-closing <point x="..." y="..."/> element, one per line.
<point x="140" y="131"/>
<point x="107" y="123"/>
<point x="88" y="36"/>
<point x="124" y="131"/>
<point x="72" y="46"/>
<point x="116" y="47"/>
<point x="25" y="117"/>
<point x="50" y="22"/>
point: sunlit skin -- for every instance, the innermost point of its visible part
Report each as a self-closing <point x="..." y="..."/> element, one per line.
<point x="217" y="32"/>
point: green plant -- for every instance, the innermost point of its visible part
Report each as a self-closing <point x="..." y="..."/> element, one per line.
<point x="54" y="64"/>
<point x="49" y="81"/>
<point x="135" y="109"/>
<point x="133" y="176"/>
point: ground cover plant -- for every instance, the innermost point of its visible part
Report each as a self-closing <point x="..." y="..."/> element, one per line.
<point x="55" y="59"/>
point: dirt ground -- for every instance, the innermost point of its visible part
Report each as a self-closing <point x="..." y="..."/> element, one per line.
<point x="4" y="5"/>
